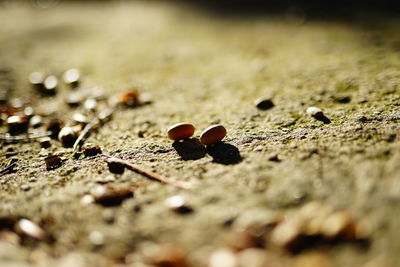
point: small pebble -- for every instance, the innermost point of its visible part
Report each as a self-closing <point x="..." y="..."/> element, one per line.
<point x="96" y="238"/>
<point x="36" y="79"/>
<point x="91" y="150"/>
<point x="45" y="142"/>
<point x="74" y="99"/>
<point x="52" y="162"/>
<point x="67" y="136"/>
<point x="129" y="99"/>
<point x="71" y="77"/>
<point x="180" y="131"/>
<point x="168" y="255"/>
<point x="90" y="104"/>
<point x="264" y="104"/>
<point x="213" y="134"/>
<point x="36" y="121"/>
<point x="115" y="166"/>
<point x="178" y="204"/>
<point x="80" y="118"/>
<point x="50" y="85"/>
<point x="30" y="229"/>
<point x="339" y="225"/>
<point x="54" y="126"/>
<point x="109" y="196"/>
<point x="223" y="258"/>
<point x="318" y="114"/>
<point x="17" y="124"/>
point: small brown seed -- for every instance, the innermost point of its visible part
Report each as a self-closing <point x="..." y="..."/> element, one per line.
<point x="129" y="99"/>
<point x="180" y="131"/>
<point x="213" y="134"/>
<point x="52" y="162"/>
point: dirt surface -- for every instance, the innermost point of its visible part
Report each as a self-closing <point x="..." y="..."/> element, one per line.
<point x="205" y="69"/>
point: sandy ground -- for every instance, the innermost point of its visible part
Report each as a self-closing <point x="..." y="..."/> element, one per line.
<point x="205" y="69"/>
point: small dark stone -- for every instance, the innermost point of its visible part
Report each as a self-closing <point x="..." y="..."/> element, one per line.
<point x="341" y="99"/>
<point x="274" y="158"/>
<point x="52" y="162"/>
<point x="109" y="196"/>
<point x="17" y="124"/>
<point x="264" y="104"/>
<point x="362" y="119"/>
<point x="45" y="142"/>
<point x="91" y="150"/>
<point x="54" y="127"/>
<point x="115" y="166"/>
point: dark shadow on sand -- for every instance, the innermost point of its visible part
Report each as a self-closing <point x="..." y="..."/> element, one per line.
<point x="224" y="153"/>
<point x="190" y="149"/>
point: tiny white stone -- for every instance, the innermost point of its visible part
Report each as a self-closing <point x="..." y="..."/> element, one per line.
<point x="313" y="111"/>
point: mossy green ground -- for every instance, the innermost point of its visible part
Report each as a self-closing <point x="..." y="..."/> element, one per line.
<point x="206" y="69"/>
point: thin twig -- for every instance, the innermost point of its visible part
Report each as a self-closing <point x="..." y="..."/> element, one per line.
<point x="22" y="138"/>
<point x="9" y="167"/>
<point x="149" y="174"/>
<point x="100" y="119"/>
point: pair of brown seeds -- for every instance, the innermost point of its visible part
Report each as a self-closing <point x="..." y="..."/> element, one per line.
<point x="209" y="136"/>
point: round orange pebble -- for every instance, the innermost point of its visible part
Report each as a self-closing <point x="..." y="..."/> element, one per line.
<point x="180" y="131"/>
<point x="213" y="134"/>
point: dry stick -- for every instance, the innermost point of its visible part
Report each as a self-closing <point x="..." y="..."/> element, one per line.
<point x="22" y="138"/>
<point x="101" y="118"/>
<point x="149" y="174"/>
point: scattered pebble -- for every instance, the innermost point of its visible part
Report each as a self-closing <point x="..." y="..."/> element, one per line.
<point x="90" y="104"/>
<point x="54" y="126"/>
<point x="129" y="99"/>
<point x="71" y="77"/>
<point x="80" y="118"/>
<point x="50" y="85"/>
<point x="67" y="136"/>
<point x="264" y="104"/>
<point x="223" y="258"/>
<point x="74" y="99"/>
<point x="36" y="79"/>
<point x="115" y="166"/>
<point x="180" y="131"/>
<point x="36" y="121"/>
<point x="312" y="259"/>
<point x="91" y="150"/>
<point x="213" y="134"/>
<point x="318" y="114"/>
<point x="96" y="238"/>
<point x="254" y="257"/>
<point x="275" y="158"/>
<point x="30" y="229"/>
<point x="17" y="124"/>
<point x="52" y="162"/>
<point x="168" y="255"/>
<point x="178" y="204"/>
<point x="109" y="196"/>
<point x="339" y="225"/>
